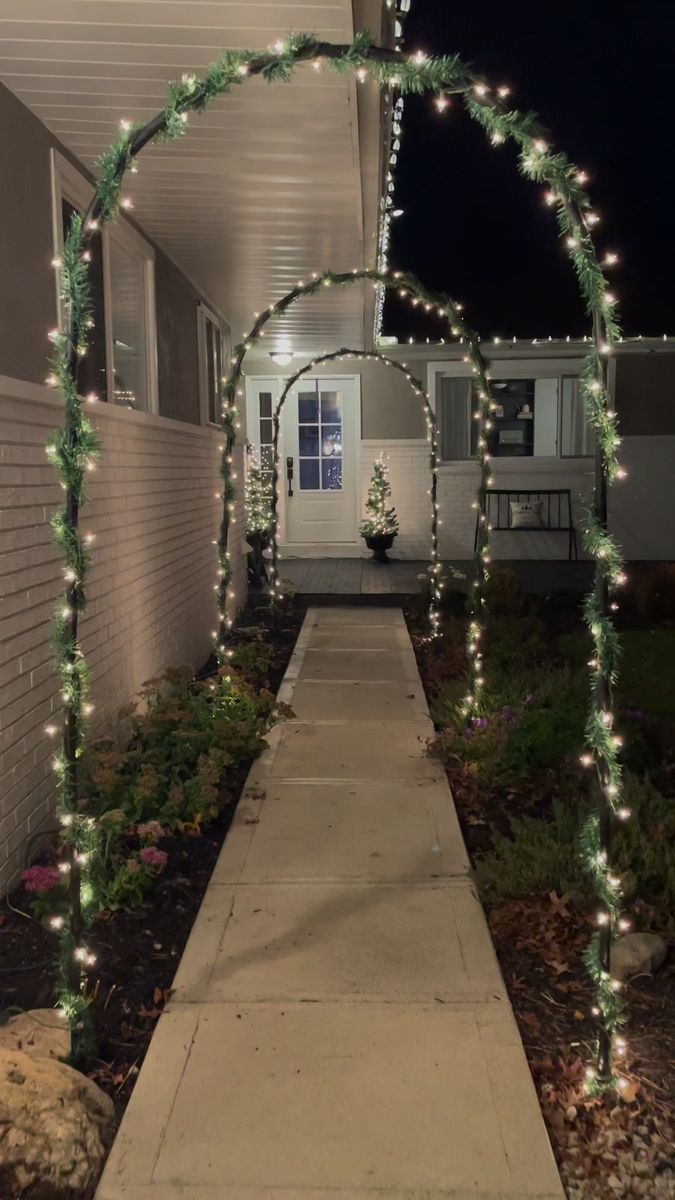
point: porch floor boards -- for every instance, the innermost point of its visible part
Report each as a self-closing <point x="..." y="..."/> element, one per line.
<point x="400" y="577"/>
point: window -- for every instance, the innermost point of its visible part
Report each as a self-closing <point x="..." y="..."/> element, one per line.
<point x="576" y="435"/>
<point x="214" y="352"/>
<point x="533" y="418"/>
<point x="121" y="362"/>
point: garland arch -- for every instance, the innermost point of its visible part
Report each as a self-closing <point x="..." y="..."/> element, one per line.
<point x="418" y="389"/>
<point x="408" y="287"/>
<point x="75" y="447"/>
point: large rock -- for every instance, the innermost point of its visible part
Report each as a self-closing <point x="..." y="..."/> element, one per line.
<point x="42" y="1033"/>
<point x="637" y="954"/>
<point x="55" y="1124"/>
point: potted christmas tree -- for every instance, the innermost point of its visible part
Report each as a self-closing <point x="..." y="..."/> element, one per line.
<point x="258" y="506"/>
<point x="381" y="525"/>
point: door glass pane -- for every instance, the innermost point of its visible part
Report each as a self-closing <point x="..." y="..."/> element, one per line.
<point x="331" y="474"/>
<point x="309" y="474"/>
<point x="308" y="406"/>
<point x="266" y="432"/>
<point x="265" y="399"/>
<point x="331" y="440"/>
<point x="127" y="287"/>
<point x="308" y="441"/>
<point x="330" y="406"/>
<point x="266" y="458"/>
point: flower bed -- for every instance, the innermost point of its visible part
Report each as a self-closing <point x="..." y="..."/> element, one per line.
<point x="521" y="794"/>
<point x="164" y="785"/>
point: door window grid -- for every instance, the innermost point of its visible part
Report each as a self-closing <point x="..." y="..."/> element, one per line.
<point x="320" y="440"/>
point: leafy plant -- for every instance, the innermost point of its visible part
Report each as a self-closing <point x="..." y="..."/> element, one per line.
<point x="543" y="854"/>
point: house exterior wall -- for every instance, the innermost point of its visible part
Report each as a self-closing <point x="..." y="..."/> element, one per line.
<point x="28" y="308"/>
<point x="641" y="511"/>
<point x="151" y="602"/>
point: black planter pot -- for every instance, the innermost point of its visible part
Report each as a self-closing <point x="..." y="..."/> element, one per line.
<point x="379" y="543"/>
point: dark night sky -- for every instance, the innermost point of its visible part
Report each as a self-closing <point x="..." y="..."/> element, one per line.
<point x="601" y="76"/>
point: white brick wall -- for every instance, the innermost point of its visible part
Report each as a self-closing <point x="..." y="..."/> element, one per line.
<point x="150" y="590"/>
<point x="410" y="480"/>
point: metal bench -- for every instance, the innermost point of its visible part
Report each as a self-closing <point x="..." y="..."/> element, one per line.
<point x="556" y="513"/>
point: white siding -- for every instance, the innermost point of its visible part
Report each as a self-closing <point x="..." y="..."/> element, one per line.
<point x="150" y="590"/>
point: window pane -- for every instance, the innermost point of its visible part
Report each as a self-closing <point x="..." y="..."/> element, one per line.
<point x="210" y="369"/>
<point x="266" y="431"/>
<point x="331" y="440"/>
<point x="576" y="435"/>
<point x="331" y="474"/>
<point x="309" y="474"/>
<point x="330" y="406"/>
<point x="308" y="440"/>
<point x="214" y="395"/>
<point x="91" y="372"/>
<point x="127" y="288"/>
<point x="308" y="406"/>
<point x="266" y="458"/>
<point x="265" y="401"/>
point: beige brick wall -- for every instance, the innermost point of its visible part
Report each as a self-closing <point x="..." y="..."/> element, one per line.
<point x="150" y="590"/>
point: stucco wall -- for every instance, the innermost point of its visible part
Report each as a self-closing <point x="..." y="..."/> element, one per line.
<point x="151" y="601"/>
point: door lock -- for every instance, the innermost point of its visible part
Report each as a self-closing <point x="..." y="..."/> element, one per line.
<point x="289" y="475"/>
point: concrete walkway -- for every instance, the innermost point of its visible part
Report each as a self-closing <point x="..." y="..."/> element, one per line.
<point x="340" y="1028"/>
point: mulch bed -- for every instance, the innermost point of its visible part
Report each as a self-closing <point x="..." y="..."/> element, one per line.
<point x="604" y="1148"/>
<point x="137" y="952"/>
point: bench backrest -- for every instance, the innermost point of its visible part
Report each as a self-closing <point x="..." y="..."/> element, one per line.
<point x="556" y="506"/>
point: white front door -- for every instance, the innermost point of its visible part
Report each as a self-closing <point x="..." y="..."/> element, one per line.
<point x="321" y="435"/>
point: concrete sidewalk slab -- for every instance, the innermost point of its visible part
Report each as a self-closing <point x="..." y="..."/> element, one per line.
<point x="384" y="1101"/>
<point x="303" y="832"/>
<point x="312" y="941"/>
<point x="359" y="664"/>
<point x="362" y="750"/>
<point x="356" y="700"/>
<point x="339" y="1029"/>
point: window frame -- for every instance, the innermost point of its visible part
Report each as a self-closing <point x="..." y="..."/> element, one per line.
<point x="206" y="313"/>
<point x="70" y="184"/>
<point x="501" y="368"/>
<point x="591" y="431"/>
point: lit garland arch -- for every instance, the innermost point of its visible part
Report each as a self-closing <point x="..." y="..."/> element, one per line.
<point x="74" y="448"/>
<point x="418" y="389"/>
<point x="409" y="288"/>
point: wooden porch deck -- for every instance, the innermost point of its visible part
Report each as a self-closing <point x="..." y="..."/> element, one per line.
<point x="328" y="577"/>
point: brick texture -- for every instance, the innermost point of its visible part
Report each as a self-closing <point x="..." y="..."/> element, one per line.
<point x="151" y="601"/>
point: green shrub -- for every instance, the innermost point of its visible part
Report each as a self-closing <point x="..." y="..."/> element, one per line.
<point x="540" y="855"/>
<point x="504" y="594"/>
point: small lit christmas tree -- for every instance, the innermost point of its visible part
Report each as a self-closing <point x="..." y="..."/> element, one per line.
<point x="380" y="526"/>
<point x="258" y="508"/>
<point x="257" y="497"/>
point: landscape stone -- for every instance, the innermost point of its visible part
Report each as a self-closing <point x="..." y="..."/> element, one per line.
<point x="637" y="954"/>
<point x="55" y="1124"/>
<point x="41" y="1033"/>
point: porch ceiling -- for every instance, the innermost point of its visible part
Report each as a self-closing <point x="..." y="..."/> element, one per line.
<point x="266" y="186"/>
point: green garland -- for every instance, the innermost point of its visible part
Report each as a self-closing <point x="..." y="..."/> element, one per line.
<point x="76" y="447"/>
<point x="435" y="566"/>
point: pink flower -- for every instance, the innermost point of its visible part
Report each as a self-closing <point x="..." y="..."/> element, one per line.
<point x="150" y="831"/>
<point x="152" y="857"/>
<point x="40" y="879"/>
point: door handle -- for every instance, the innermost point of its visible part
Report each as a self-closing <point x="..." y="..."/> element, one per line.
<point x="289" y="475"/>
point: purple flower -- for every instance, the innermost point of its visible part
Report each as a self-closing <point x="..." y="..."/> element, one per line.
<point x="529" y="698"/>
<point x="467" y="733"/>
<point x="480" y="723"/>
<point x="508" y="713"/>
<point x="40" y="879"/>
<point x="152" y="857"/>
